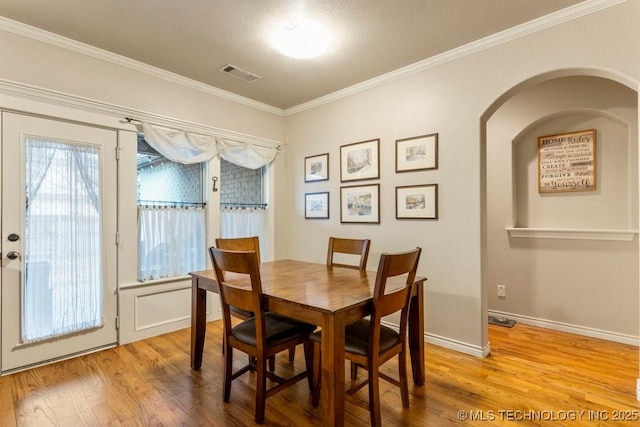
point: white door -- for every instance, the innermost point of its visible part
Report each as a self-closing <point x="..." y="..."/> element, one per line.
<point x="59" y="183"/>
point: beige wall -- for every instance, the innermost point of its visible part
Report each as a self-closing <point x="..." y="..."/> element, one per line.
<point x="582" y="284"/>
<point x="451" y="99"/>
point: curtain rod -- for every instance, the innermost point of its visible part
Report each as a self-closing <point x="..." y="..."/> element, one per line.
<point x="219" y="133"/>
<point x="240" y="205"/>
<point x="168" y="203"/>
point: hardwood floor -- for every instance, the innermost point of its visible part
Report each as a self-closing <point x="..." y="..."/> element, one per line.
<point x="532" y="377"/>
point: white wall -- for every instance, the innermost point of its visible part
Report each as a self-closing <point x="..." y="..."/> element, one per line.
<point x="586" y="285"/>
<point x="450" y="99"/>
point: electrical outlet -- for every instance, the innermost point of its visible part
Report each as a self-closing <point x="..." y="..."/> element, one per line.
<point x="502" y="291"/>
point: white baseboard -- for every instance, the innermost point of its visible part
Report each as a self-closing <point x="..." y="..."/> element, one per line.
<point x="573" y="329"/>
<point x="456" y="345"/>
<point x="460" y="346"/>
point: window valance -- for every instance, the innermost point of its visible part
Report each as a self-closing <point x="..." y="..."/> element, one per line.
<point x="189" y="147"/>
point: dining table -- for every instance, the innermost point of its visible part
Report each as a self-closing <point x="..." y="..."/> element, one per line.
<point x="329" y="297"/>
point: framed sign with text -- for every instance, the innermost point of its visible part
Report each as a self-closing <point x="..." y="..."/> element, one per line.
<point x="567" y="162"/>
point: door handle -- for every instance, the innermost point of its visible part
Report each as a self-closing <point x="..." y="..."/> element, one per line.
<point x="13" y="255"/>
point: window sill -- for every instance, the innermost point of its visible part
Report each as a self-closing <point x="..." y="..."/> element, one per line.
<point x="572" y="234"/>
<point x="162" y="281"/>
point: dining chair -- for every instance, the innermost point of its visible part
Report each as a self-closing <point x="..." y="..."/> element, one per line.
<point x="368" y="343"/>
<point x="358" y="247"/>
<point x="240" y="244"/>
<point x="261" y="336"/>
<point x="248" y="244"/>
<point x="245" y="244"/>
<point x="348" y="246"/>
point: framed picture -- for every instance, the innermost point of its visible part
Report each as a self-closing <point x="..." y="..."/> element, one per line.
<point x="417" y="153"/>
<point x="417" y="202"/>
<point x="360" y="161"/>
<point x="316" y="205"/>
<point x="567" y="162"/>
<point x="360" y="204"/>
<point x="316" y="168"/>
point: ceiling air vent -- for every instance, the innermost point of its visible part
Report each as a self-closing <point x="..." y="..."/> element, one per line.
<point x="240" y="73"/>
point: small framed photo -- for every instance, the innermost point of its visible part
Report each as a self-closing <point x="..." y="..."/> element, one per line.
<point x="360" y="160"/>
<point x="316" y="205"/>
<point x="316" y="168"/>
<point x="360" y="204"/>
<point x="417" y="202"/>
<point x="417" y="153"/>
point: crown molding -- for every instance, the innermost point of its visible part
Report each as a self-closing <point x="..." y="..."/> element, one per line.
<point x="60" y="99"/>
<point x="581" y="9"/>
<point x="41" y="35"/>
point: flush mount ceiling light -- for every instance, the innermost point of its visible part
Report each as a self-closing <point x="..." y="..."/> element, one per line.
<point x="302" y="39"/>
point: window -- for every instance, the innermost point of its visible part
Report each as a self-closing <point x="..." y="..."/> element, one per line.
<point x="243" y="204"/>
<point x="171" y="216"/>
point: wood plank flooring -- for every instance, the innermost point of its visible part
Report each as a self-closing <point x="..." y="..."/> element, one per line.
<point x="533" y="377"/>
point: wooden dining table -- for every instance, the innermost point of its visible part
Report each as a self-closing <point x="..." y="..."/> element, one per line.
<point x="330" y="297"/>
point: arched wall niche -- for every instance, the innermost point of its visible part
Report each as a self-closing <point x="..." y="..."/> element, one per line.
<point x="580" y="285"/>
<point x="611" y="206"/>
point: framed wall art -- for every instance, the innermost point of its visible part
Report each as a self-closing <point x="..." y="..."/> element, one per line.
<point x="360" y="160"/>
<point x="360" y="204"/>
<point x="316" y="168"/>
<point x="316" y="205"/>
<point x="417" y="202"/>
<point x="567" y="162"/>
<point x="417" y="153"/>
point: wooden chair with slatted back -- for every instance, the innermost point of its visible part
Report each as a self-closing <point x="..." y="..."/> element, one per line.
<point x="368" y="343"/>
<point x="240" y="244"/>
<point x="349" y="246"/>
<point x="243" y="244"/>
<point x="261" y="336"/>
<point x="247" y="244"/>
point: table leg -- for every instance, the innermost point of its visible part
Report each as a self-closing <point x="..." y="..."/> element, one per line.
<point x="198" y="322"/>
<point x="416" y="335"/>
<point x="332" y="383"/>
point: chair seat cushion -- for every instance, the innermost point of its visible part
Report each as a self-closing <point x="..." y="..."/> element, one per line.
<point x="356" y="339"/>
<point x="278" y="329"/>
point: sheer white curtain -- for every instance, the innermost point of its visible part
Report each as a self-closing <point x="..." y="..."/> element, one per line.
<point x="171" y="241"/>
<point x="188" y="147"/>
<point x="245" y="222"/>
<point x="63" y="280"/>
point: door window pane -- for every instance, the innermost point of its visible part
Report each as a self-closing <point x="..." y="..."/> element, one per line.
<point x="63" y="281"/>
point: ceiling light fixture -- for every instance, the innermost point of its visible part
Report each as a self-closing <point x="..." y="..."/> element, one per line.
<point x="302" y="39"/>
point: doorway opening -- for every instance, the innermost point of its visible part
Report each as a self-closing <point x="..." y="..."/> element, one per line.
<point x="551" y="256"/>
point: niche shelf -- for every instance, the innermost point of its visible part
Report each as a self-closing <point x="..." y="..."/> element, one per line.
<point x="572" y="234"/>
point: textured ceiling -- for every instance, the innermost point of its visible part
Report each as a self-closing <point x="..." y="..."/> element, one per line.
<point x="195" y="38"/>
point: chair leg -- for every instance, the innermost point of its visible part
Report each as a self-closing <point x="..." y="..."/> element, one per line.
<point x="315" y="391"/>
<point x="374" y="395"/>
<point x="402" y="378"/>
<point x="354" y="371"/>
<point x="261" y="389"/>
<point x="228" y="372"/>
<point x="271" y="362"/>
<point x="292" y="354"/>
